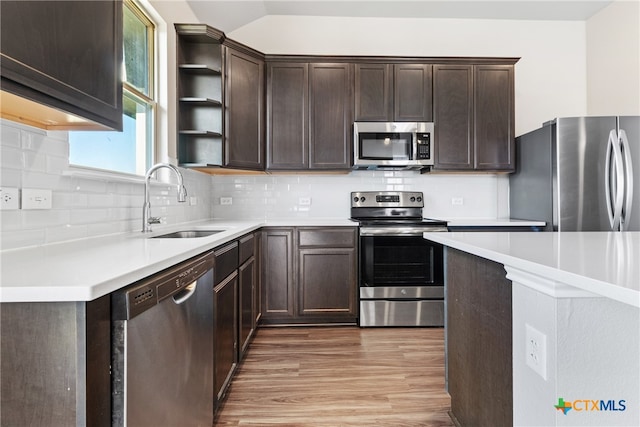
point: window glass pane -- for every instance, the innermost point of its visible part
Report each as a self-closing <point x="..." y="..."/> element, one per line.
<point x="136" y="52"/>
<point x="127" y="151"/>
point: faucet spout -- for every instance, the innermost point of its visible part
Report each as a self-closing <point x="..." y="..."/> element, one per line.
<point x="147" y="220"/>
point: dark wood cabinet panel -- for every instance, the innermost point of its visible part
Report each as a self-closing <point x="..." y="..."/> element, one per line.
<point x="309" y="115"/>
<point x="287" y="116"/>
<point x="225" y="332"/>
<point x="453" y="114"/>
<point x="246" y="304"/>
<point x="479" y="340"/>
<point x="474" y="117"/>
<point x="373" y="92"/>
<point x="413" y="92"/>
<point x="55" y="363"/>
<point x="277" y="274"/>
<point x="331" y="116"/>
<point x="244" y="104"/>
<point x="66" y="55"/>
<point x="327" y="282"/>
<point x="200" y="63"/>
<point x="309" y="275"/>
<point x="494" y="117"/>
<point x="394" y="92"/>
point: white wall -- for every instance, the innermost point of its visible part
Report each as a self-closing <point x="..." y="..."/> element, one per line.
<point x="613" y="60"/>
<point x="550" y="76"/>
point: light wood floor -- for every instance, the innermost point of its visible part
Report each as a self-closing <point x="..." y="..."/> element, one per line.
<point x="340" y="376"/>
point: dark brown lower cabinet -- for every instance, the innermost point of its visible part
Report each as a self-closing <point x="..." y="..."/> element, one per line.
<point x="479" y="341"/>
<point x="225" y="316"/>
<point x="247" y="304"/>
<point x="55" y="362"/>
<point x="225" y="342"/>
<point x="323" y="286"/>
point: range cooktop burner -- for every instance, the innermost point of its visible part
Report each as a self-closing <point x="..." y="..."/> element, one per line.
<point x="390" y="209"/>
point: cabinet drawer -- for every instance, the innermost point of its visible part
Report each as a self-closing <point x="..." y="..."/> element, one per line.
<point x="226" y="261"/>
<point x="246" y="248"/>
<point x="332" y="237"/>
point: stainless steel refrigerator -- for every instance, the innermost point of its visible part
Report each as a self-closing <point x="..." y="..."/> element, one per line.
<point x="579" y="174"/>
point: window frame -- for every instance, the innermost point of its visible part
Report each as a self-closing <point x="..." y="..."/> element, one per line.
<point x="128" y="90"/>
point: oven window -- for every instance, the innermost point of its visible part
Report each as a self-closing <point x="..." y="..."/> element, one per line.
<point x="400" y="261"/>
<point x="385" y="146"/>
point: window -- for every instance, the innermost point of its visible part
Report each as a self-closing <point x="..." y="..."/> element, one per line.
<point x="129" y="151"/>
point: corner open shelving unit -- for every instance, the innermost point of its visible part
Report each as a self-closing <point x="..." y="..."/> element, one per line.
<point x="200" y="93"/>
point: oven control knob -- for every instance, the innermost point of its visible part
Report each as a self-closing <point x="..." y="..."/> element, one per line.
<point x="419" y="199"/>
<point x="362" y="199"/>
<point x="413" y="199"/>
<point x="355" y="199"/>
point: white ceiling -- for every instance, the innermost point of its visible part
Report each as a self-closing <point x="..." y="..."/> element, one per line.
<point x="229" y="15"/>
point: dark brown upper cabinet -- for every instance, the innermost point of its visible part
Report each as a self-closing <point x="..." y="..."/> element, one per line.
<point x="331" y="109"/>
<point x="200" y="79"/>
<point x="65" y="55"/>
<point x="287" y="115"/>
<point x="474" y="117"/>
<point x="309" y="115"/>
<point x="393" y="92"/>
<point x="244" y="108"/>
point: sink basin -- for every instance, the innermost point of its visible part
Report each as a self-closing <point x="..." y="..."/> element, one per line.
<point x="187" y="234"/>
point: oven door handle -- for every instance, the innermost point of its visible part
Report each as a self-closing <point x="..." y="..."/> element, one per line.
<point x="398" y="231"/>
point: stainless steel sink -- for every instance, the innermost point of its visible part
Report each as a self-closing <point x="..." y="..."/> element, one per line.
<point x="187" y="234"/>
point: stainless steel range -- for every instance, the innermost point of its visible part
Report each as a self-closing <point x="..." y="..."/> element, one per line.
<point x="401" y="275"/>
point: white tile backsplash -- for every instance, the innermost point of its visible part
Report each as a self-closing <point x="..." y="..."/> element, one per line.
<point x="87" y="205"/>
<point x="275" y="196"/>
<point x="84" y="205"/>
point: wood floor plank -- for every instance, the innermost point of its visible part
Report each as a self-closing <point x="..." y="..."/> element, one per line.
<point x="340" y="377"/>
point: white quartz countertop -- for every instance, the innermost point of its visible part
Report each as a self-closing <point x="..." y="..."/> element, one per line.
<point x="605" y="264"/>
<point x="493" y="222"/>
<point x="86" y="269"/>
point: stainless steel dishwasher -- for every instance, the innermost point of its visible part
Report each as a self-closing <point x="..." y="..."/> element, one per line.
<point x="162" y="348"/>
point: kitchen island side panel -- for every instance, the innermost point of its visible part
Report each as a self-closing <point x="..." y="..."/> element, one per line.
<point x="479" y="340"/>
<point x="54" y="363"/>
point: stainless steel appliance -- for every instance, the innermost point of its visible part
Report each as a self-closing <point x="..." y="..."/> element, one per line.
<point x="579" y="174"/>
<point x="399" y="145"/>
<point x="401" y="275"/>
<point x="162" y="348"/>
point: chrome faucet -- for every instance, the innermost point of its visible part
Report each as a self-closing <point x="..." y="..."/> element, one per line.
<point x="147" y="220"/>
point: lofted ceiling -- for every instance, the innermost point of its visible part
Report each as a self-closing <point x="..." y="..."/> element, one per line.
<point x="229" y="15"/>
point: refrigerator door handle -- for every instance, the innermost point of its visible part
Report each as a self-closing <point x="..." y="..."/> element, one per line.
<point x="614" y="207"/>
<point x="628" y="180"/>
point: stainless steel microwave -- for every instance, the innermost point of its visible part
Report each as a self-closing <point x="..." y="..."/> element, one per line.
<point x="397" y="145"/>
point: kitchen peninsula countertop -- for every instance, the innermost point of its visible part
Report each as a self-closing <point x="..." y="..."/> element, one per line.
<point x="86" y="269"/>
<point x="493" y="222"/>
<point x="601" y="263"/>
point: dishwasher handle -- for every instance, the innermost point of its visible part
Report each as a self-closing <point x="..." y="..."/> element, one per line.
<point x="185" y="293"/>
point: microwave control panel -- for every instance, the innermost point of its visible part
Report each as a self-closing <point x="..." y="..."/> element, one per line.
<point x="424" y="146"/>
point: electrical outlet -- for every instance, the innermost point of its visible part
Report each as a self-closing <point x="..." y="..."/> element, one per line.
<point x="536" y="350"/>
<point x="226" y="200"/>
<point x="9" y="199"/>
<point x="34" y="198"/>
<point x="458" y="201"/>
<point x="304" y="201"/>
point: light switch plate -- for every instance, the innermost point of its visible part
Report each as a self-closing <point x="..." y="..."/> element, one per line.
<point x="34" y="198"/>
